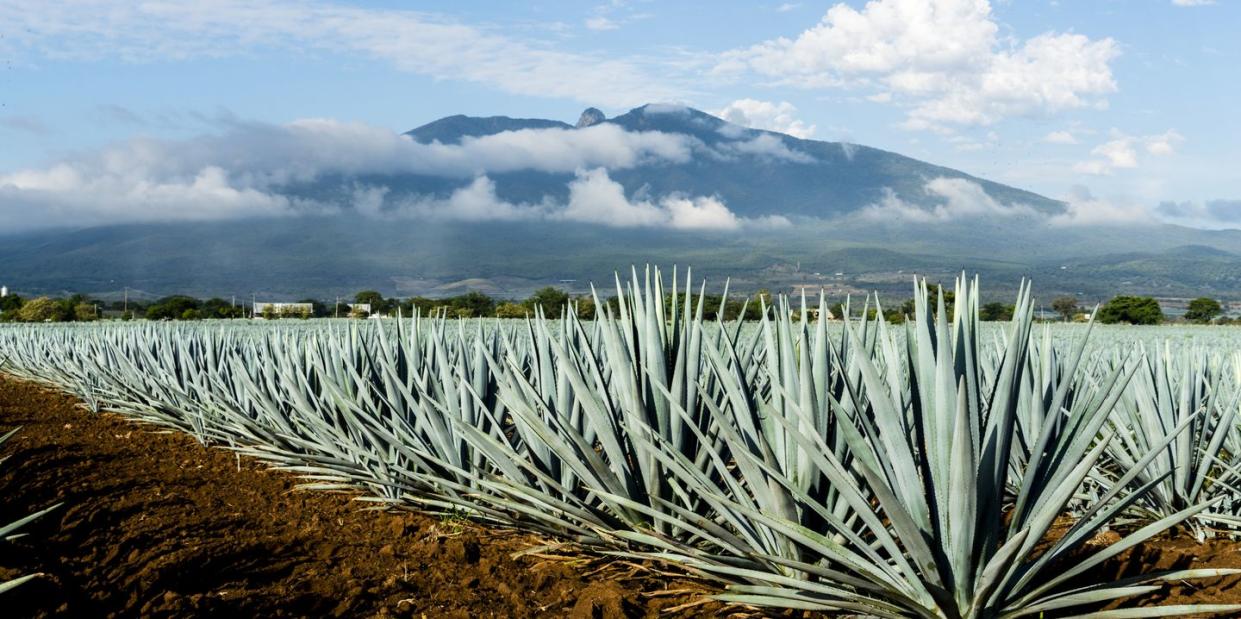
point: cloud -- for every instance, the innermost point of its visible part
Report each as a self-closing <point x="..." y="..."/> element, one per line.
<point x="261" y="170"/>
<point x="595" y="198"/>
<point x="1121" y="151"/>
<point x="410" y="41"/>
<point x="253" y="169"/>
<point x="1086" y="209"/>
<point x="601" y="23"/>
<point x="25" y="124"/>
<point x="788" y="6"/>
<point x="956" y="198"/>
<point x="768" y="146"/>
<point x="943" y="59"/>
<point x="1163" y="144"/>
<point x="1208" y="214"/>
<point x="767" y="115"/>
<point x="64" y="196"/>
<point x="1060" y="137"/>
<point x="1192" y="2"/>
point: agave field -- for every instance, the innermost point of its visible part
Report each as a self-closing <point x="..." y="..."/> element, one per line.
<point x="940" y="468"/>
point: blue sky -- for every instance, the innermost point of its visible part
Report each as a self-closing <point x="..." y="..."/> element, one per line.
<point x="1125" y="105"/>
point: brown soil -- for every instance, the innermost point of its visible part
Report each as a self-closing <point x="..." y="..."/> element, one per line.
<point x="1180" y="553"/>
<point x="155" y="525"/>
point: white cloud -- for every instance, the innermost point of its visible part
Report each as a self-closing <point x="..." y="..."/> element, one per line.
<point x="259" y="170"/>
<point x="1121" y="151"/>
<point x="944" y="59"/>
<point x="64" y="196"/>
<point x="1060" y="137"/>
<point x="768" y="115"/>
<point x="601" y="23"/>
<point x="788" y="6"/>
<point x="410" y="41"/>
<point x="956" y="198"/>
<point x="595" y="198"/>
<point x="1085" y="209"/>
<point x="1192" y="2"/>
<point x="766" y="146"/>
<point x="1163" y="144"/>
<point x="247" y="168"/>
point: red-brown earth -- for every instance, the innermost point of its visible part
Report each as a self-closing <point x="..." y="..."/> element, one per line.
<point x="153" y="524"/>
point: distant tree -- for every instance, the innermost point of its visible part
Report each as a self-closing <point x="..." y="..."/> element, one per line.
<point x="318" y="309"/>
<point x="996" y="312"/>
<point x="11" y="303"/>
<point x="419" y="305"/>
<point x="552" y="300"/>
<point x="85" y="312"/>
<point x="171" y="308"/>
<point x="932" y="302"/>
<point x="586" y="307"/>
<point x="220" y="308"/>
<point x="1066" y="306"/>
<point x="471" y="305"/>
<point x="373" y="298"/>
<point x="764" y="295"/>
<point x="1131" y="309"/>
<point x="509" y="309"/>
<point x="1203" y="309"/>
<point x="41" y="309"/>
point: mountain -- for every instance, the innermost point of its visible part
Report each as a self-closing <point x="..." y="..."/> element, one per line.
<point x="451" y="129"/>
<point x="756" y="173"/>
<point x="845" y="217"/>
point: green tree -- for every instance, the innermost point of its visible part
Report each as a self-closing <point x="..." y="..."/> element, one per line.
<point x="1066" y="306"/>
<point x="471" y="305"/>
<point x="552" y="300"/>
<point x="932" y="302"/>
<point x="9" y="305"/>
<point x="42" y="309"/>
<point x="1203" y="309"/>
<point x="85" y="312"/>
<point x="586" y="307"/>
<point x="509" y="309"/>
<point x="1131" y="309"/>
<point x="171" y="308"/>
<point x="996" y="312"/>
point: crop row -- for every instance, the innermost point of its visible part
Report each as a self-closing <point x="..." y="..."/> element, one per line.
<point x="942" y="468"/>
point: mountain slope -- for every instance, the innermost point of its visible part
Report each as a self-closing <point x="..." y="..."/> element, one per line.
<point x="756" y="173"/>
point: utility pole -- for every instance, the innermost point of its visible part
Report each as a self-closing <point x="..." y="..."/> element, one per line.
<point x="125" y="312"/>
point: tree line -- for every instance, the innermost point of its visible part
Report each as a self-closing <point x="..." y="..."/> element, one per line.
<point x="553" y="301"/>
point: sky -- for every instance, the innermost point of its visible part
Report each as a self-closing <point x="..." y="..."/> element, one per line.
<point x="1124" y="108"/>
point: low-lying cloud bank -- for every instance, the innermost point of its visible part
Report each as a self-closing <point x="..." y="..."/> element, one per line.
<point x="957" y="198"/>
<point x="258" y="170"/>
<point x="594" y="198"/>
